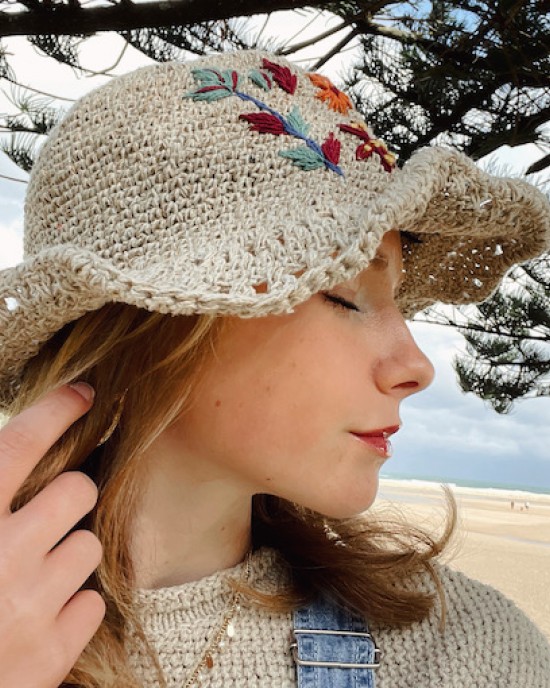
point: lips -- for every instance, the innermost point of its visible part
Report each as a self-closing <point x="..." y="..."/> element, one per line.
<point x="378" y="439"/>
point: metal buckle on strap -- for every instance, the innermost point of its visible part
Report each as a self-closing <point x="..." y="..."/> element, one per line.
<point x="336" y="665"/>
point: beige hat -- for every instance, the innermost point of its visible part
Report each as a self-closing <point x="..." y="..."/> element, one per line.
<point x="241" y="184"/>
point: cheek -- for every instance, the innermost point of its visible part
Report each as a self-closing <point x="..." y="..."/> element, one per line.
<point x="268" y="413"/>
<point x="279" y="398"/>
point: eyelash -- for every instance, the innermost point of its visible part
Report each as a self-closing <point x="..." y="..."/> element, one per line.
<point x="340" y="303"/>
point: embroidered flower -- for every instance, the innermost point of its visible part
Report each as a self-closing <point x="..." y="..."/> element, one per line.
<point x="282" y="75"/>
<point x="371" y="145"/>
<point x="308" y="157"/>
<point x="331" y="148"/>
<point x="264" y="123"/>
<point x="214" y="84"/>
<point x="387" y="158"/>
<point x="337" y="100"/>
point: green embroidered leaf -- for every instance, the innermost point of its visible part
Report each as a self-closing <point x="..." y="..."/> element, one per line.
<point x="304" y="157"/>
<point x="259" y="78"/>
<point x="231" y="79"/>
<point x="209" y="94"/>
<point x="296" y="122"/>
<point x="227" y="78"/>
<point x="207" y="77"/>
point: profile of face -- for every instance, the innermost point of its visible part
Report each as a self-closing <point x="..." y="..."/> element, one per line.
<point x="280" y="407"/>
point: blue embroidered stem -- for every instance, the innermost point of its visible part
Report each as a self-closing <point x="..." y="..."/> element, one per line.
<point x="291" y="131"/>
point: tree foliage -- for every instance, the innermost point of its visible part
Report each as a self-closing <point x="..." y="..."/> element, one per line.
<point x="470" y="73"/>
<point x="507" y="338"/>
<point x="475" y="75"/>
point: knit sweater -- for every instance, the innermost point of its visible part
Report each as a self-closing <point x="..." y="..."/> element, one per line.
<point x="488" y="642"/>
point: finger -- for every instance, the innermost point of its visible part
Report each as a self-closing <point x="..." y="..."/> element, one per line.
<point x="68" y="566"/>
<point x="53" y="512"/>
<point x="27" y="437"/>
<point x="77" y="622"/>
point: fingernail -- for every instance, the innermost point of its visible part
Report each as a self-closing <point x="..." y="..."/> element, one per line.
<point x="84" y="389"/>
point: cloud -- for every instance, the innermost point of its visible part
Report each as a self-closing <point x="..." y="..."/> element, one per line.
<point x="452" y="435"/>
<point x="11" y="243"/>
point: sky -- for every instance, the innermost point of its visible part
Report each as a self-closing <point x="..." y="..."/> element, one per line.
<point x="446" y="435"/>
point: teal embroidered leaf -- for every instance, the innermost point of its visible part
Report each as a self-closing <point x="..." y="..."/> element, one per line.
<point x="260" y="79"/>
<point x="304" y="157"/>
<point x="207" y="77"/>
<point x="212" y="85"/>
<point x="231" y="79"/>
<point x="209" y="93"/>
<point x="295" y="120"/>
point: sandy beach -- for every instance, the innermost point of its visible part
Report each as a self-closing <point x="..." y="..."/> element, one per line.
<point x="504" y="547"/>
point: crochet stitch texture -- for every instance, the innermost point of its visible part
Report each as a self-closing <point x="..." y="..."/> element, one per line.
<point x="488" y="641"/>
<point x="150" y="195"/>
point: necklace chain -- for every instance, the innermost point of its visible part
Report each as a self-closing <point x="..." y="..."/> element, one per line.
<point x="215" y="641"/>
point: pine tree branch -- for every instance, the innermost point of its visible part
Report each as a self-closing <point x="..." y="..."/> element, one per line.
<point x="512" y="364"/>
<point x="107" y="70"/>
<point x="12" y="179"/>
<point x="525" y="131"/>
<point x="305" y="44"/>
<point x="58" y="19"/>
<point x="36" y="90"/>
<point x="20" y="129"/>
<point x="338" y="48"/>
<point x="539" y="165"/>
<point x="478" y="328"/>
<point x="372" y="28"/>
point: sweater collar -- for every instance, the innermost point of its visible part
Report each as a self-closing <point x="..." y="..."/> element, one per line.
<point x="210" y="595"/>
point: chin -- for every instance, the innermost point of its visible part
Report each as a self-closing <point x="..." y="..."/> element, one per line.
<point x="349" y="507"/>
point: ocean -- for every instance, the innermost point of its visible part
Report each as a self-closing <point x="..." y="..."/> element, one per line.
<point x="494" y="488"/>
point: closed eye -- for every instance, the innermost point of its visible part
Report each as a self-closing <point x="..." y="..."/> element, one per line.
<point x="339" y="302"/>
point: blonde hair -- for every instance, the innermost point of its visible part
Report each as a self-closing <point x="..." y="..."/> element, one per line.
<point x="152" y="361"/>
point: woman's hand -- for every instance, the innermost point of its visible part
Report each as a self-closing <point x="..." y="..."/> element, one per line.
<point x="44" y="622"/>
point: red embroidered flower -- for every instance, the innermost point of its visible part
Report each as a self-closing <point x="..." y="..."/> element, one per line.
<point x="370" y="145"/>
<point x="282" y="75"/>
<point x="337" y="100"/>
<point x="376" y="146"/>
<point x="264" y="122"/>
<point x="357" y="129"/>
<point x="331" y="149"/>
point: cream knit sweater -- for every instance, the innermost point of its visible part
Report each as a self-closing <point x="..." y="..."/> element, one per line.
<point x="488" y="642"/>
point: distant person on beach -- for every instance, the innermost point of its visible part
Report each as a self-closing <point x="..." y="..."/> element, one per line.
<point x="512" y="504"/>
<point x="203" y="357"/>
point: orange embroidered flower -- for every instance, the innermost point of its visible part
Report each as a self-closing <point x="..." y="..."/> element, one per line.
<point x="337" y="100"/>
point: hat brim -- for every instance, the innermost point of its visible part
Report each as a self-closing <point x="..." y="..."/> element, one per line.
<point x="471" y="228"/>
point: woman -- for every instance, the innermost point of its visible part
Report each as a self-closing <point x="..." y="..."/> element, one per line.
<point x="224" y="253"/>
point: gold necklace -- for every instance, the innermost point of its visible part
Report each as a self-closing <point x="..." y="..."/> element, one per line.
<point x="226" y="627"/>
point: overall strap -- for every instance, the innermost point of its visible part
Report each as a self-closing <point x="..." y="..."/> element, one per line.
<point x="333" y="648"/>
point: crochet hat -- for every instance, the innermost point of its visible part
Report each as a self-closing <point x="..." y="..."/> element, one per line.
<point x="241" y="184"/>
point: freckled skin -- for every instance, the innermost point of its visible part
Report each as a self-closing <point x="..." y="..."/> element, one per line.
<point x="275" y="409"/>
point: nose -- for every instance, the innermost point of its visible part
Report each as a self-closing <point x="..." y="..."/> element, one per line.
<point x="403" y="368"/>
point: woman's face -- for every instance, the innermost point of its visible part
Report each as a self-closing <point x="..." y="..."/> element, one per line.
<point x="279" y="408"/>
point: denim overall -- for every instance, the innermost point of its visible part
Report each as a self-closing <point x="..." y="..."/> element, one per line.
<point x="332" y="648"/>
